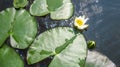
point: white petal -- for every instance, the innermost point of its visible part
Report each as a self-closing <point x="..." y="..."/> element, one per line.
<point x="79" y="17"/>
<point x="75" y="24"/>
<point x="83" y="27"/>
<point x="86" y="20"/>
<point x="83" y="16"/>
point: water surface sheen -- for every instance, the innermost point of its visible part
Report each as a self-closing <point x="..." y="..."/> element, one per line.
<point x="104" y="25"/>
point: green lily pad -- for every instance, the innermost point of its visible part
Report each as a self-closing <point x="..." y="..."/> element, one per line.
<point x="58" y="9"/>
<point x="22" y="28"/>
<point x="9" y="58"/>
<point x="39" y="8"/>
<point x="66" y="45"/>
<point x="63" y="12"/>
<point x="6" y="17"/>
<point x="20" y="3"/>
<point x="54" y="4"/>
<point x="96" y="59"/>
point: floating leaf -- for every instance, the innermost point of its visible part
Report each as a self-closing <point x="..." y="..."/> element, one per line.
<point x="63" y="12"/>
<point x="54" y="4"/>
<point x="20" y="3"/>
<point x="9" y="58"/>
<point x="96" y="59"/>
<point x="21" y="27"/>
<point x="58" y="9"/>
<point x="39" y="8"/>
<point x="66" y="45"/>
<point x="6" y="17"/>
<point x="24" y="30"/>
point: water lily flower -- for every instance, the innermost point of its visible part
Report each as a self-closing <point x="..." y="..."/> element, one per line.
<point x="80" y="22"/>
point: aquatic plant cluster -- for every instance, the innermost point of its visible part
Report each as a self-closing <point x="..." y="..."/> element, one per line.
<point x="67" y="45"/>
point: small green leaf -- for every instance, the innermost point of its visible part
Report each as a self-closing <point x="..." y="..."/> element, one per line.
<point x="9" y="58"/>
<point x="96" y="59"/>
<point x="59" y="9"/>
<point x="63" y="43"/>
<point x="19" y="25"/>
<point x="20" y="3"/>
<point x="39" y="8"/>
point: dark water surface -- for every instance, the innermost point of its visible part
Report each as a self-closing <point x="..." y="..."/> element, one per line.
<point x="104" y="25"/>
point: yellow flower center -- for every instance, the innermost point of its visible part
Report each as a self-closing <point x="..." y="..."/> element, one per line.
<point x="79" y="22"/>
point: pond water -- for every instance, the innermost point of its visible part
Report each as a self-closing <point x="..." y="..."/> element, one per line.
<point x="104" y="25"/>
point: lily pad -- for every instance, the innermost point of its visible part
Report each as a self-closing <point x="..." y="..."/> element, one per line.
<point x="6" y="17"/>
<point x="22" y="27"/>
<point x="96" y="59"/>
<point x="58" y="9"/>
<point x="63" y="12"/>
<point x="20" y="3"/>
<point x="67" y="46"/>
<point x="54" y="4"/>
<point x="9" y="58"/>
<point x="39" y="8"/>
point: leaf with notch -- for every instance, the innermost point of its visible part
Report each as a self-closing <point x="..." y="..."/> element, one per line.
<point x="67" y="47"/>
<point x="58" y="9"/>
<point x="21" y="27"/>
